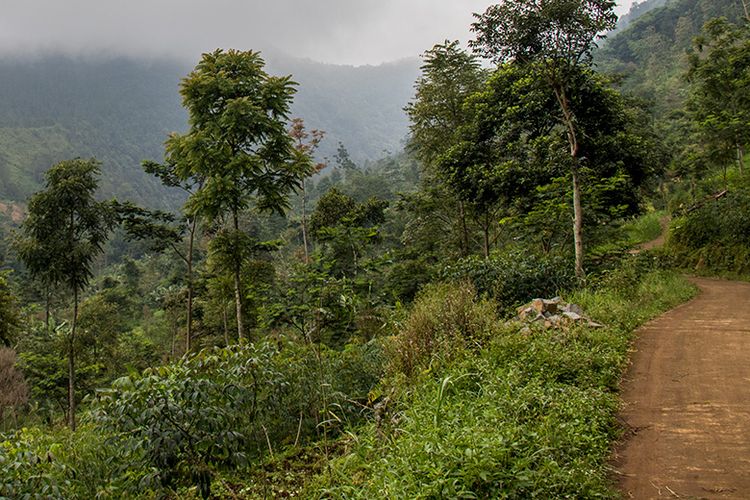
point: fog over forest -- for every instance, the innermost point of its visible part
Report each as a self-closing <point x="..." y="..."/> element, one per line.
<point x="331" y="31"/>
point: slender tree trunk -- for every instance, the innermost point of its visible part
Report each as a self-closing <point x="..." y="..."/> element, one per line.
<point x="71" y="365"/>
<point x="237" y="289"/>
<point x="174" y="339"/>
<point x="744" y="6"/>
<point x="486" y="230"/>
<point x="569" y="122"/>
<point x="226" y="324"/>
<point x="464" y="230"/>
<point x="304" y="221"/>
<point x="47" y="300"/>
<point x="578" y="224"/>
<point x="189" y="261"/>
<point x="741" y="157"/>
<point x="663" y="192"/>
<point x="355" y="259"/>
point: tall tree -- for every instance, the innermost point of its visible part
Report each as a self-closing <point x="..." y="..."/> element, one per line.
<point x="437" y="112"/>
<point x="719" y="102"/>
<point x="63" y="233"/>
<point x="558" y="36"/>
<point x="305" y="144"/>
<point x="237" y="143"/>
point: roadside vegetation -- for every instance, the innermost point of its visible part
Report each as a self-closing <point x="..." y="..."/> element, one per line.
<point x="500" y="413"/>
<point x="712" y="237"/>
<point x="458" y="402"/>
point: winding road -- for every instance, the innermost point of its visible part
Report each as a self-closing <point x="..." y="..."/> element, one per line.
<point x="687" y="400"/>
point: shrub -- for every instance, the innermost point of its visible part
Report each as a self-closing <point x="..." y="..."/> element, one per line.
<point x="14" y="392"/>
<point x="716" y="236"/>
<point x="57" y="464"/>
<point x="515" y="277"/>
<point x="445" y="320"/>
<point x="222" y="408"/>
<point x="189" y="417"/>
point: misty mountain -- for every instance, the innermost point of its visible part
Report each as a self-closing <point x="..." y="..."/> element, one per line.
<point x="120" y="111"/>
<point x="636" y="11"/>
<point x="362" y="107"/>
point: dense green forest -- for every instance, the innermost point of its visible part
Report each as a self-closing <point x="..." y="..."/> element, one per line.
<point x="266" y="309"/>
<point x="121" y="110"/>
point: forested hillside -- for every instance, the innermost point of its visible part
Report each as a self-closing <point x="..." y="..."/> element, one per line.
<point x="637" y="9"/>
<point x="118" y="111"/>
<point x="121" y="111"/>
<point x="651" y="52"/>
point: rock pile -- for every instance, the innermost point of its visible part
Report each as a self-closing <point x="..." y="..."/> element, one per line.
<point x="554" y="313"/>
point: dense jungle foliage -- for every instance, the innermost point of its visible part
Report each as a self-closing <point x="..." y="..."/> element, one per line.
<point x="312" y="325"/>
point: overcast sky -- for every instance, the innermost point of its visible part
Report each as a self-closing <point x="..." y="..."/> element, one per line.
<point x="335" y="31"/>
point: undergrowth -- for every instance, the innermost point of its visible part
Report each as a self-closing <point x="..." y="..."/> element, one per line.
<point x="644" y="228"/>
<point x="520" y="416"/>
<point x="467" y="406"/>
<point x="714" y="238"/>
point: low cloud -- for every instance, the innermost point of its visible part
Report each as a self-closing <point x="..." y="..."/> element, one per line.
<point x="335" y="31"/>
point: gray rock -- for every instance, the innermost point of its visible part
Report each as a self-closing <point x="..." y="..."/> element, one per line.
<point x="574" y="308"/>
<point x="553" y="313"/>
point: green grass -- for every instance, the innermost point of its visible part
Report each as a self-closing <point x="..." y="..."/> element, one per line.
<point x="643" y="229"/>
<point x="525" y="416"/>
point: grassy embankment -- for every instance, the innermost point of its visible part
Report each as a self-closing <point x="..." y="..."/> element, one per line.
<point x="474" y="408"/>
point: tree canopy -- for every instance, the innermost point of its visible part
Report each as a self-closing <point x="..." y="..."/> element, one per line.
<point x="556" y="36"/>
<point x="66" y="227"/>
<point x="237" y="140"/>
<point x="719" y="77"/>
<point x="561" y="33"/>
<point x="449" y="76"/>
<point x="64" y="232"/>
<point x="237" y="144"/>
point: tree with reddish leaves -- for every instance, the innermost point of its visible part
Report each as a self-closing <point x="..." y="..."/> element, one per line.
<point x="305" y="144"/>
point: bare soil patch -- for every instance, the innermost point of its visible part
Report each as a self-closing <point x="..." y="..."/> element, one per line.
<point x="13" y="210"/>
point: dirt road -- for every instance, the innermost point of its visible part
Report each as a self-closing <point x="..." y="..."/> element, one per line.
<point x="687" y="400"/>
<point x="658" y="242"/>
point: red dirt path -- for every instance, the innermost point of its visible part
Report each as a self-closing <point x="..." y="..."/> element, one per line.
<point x="687" y="400"/>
